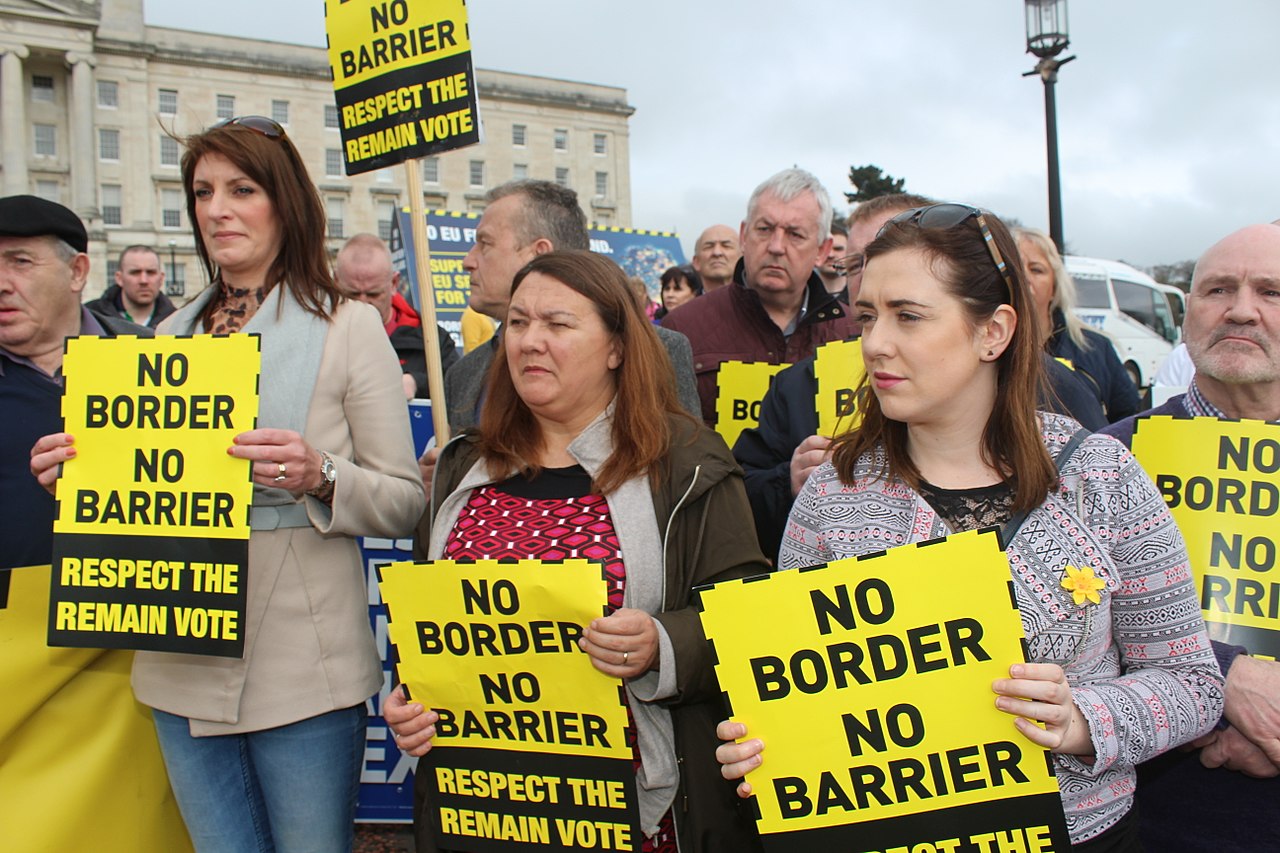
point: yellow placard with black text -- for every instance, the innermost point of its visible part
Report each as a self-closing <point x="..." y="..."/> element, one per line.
<point x="533" y="744"/>
<point x="872" y="691"/>
<point x="839" y="371"/>
<point x="740" y="386"/>
<point x="403" y="79"/>
<point x="150" y="543"/>
<point x="1221" y="482"/>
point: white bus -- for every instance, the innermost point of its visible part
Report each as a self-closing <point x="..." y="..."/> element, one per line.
<point x="1130" y="308"/>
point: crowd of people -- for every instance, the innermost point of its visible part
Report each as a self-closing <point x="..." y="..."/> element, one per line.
<point x="984" y="403"/>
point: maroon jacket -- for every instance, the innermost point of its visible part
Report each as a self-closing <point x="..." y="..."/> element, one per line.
<point x="730" y="324"/>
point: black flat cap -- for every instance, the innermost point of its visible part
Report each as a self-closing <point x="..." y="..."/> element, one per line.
<point x="32" y="216"/>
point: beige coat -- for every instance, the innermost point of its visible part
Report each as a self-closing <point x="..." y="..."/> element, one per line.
<point x="308" y="645"/>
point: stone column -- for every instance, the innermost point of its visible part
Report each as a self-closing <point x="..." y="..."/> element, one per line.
<point x="13" y="138"/>
<point x="84" y="161"/>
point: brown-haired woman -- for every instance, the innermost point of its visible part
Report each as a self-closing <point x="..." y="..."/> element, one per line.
<point x="264" y="752"/>
<point x="582" y="412"/>
<point x="951" y="441"/>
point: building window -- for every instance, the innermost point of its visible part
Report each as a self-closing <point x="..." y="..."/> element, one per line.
<point x="602" y="184"/>
<point x="168" y="102"/>
<point x="562" y="139"/>
<point x="431" y="170"/>
<point x="477" y="173"/>
<point x="108" y="144"/>
<point x="46" y="140"/>
<point x="49" y="191"/>
<point x="42" y="88"/>
<point x="171" y="208"/>
<point x="518" y="134"/>
<point x="280" y="112"/>
<point x="226" y="106"/>
<point x="600" y="143"/>
<point x="168" y="150"/>
<point x="562" y="176"/>
<point x="108" y="94"/>
<point x="112" y="196"/>
<point x="331" y="116"/>
<point x="386" y="213"/>
<point x="520" y="172"/>
<point x="333" y="207"/>
<point x="333" y="162"/>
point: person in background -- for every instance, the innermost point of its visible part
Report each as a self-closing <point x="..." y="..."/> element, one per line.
<point x="51" y="794"/>
<point x="831" y="271"/>
<point x="264" y="752"/>
<point x="715" y="255"/>
<point x="1089" y="353"/>
<point x="364" y="273"/>
<point x="680" y="284"/>
<point x="776" y="310"/>
<point x="583" y="423"/>
<point x="138" y="293"/>
<point x="1119" y="667"/>
<point x="1232" y="333"/>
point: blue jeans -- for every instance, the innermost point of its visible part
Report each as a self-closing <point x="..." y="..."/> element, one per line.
<point x="290" y="789"/>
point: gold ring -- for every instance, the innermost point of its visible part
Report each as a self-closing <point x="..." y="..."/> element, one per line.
<point x="625" y="655"/>
<point x="283" y="472"/>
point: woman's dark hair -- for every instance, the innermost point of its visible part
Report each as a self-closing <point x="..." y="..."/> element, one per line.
<point x="275" y="165"/>
<point x="1011" y="442"/>
<point x="509" y="433"/>
<point x="684" y="271"/>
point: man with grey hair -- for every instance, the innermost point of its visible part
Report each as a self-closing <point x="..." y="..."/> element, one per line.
<point x="364" y="273"/>
<point x="1232" y="332"/>
<point x="776" y="310"/>
<point x="715" y="255"/>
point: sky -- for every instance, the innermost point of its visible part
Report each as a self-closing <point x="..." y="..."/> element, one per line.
<point x="1168" y="119"/>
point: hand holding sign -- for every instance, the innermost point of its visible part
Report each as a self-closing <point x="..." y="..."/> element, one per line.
<point x="811" y="453"/>
<point x="622" y="645"/>
<point x="279" y="453"/>
<point x="412" y="725"/>
<point x="49" y="452"/>
<point x="1039" y="691"/>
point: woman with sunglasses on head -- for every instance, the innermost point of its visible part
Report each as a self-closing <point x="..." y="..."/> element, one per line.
<point x="951" y="441"/>
<point x="264" y="752"/>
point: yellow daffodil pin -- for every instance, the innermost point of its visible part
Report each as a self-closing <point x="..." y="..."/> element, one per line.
<point x="1084" y="584"/>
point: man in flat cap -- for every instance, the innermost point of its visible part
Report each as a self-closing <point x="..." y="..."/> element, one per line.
<point x="43" y="270"/>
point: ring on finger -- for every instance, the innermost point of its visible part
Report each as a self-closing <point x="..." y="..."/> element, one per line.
<point x="284" y="472"/>
<point x="625" y="655"/>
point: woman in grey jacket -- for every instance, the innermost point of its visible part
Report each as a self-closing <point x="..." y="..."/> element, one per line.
<point x="1120" y="668"/>
<point x="581" y="414"/>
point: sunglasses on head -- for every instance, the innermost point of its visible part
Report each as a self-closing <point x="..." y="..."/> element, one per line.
<point x="949" y="215"/>
<point x="259" y="124"/>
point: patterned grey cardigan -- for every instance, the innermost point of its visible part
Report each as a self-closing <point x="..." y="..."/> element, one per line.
<point x="1140" y="665"/>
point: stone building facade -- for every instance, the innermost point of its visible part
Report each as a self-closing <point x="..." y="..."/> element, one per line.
<point x="91" y="99"/>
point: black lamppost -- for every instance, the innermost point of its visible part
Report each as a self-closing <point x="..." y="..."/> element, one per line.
<point x="173" y="287"/>
<point x="1046" y="38"/>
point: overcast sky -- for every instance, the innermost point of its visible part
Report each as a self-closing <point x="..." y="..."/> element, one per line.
<point x="1169" y="120"/>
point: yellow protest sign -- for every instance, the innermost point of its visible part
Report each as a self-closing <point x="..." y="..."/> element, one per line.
<point x="531" y="745"/>
<point x="403" y="79"/>
<point x="839" y="371"/>
<point x="151" y="538"/>
<point x="1220" y="481"/>
<point x="872" y="691"/>
<point x="740" y="386"/>
<point x="112" y="784"/>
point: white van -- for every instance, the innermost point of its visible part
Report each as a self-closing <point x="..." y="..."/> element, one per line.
<point x="1130" y="308"/>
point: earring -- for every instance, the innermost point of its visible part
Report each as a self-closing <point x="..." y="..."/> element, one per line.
<point x="990" y="353"/>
